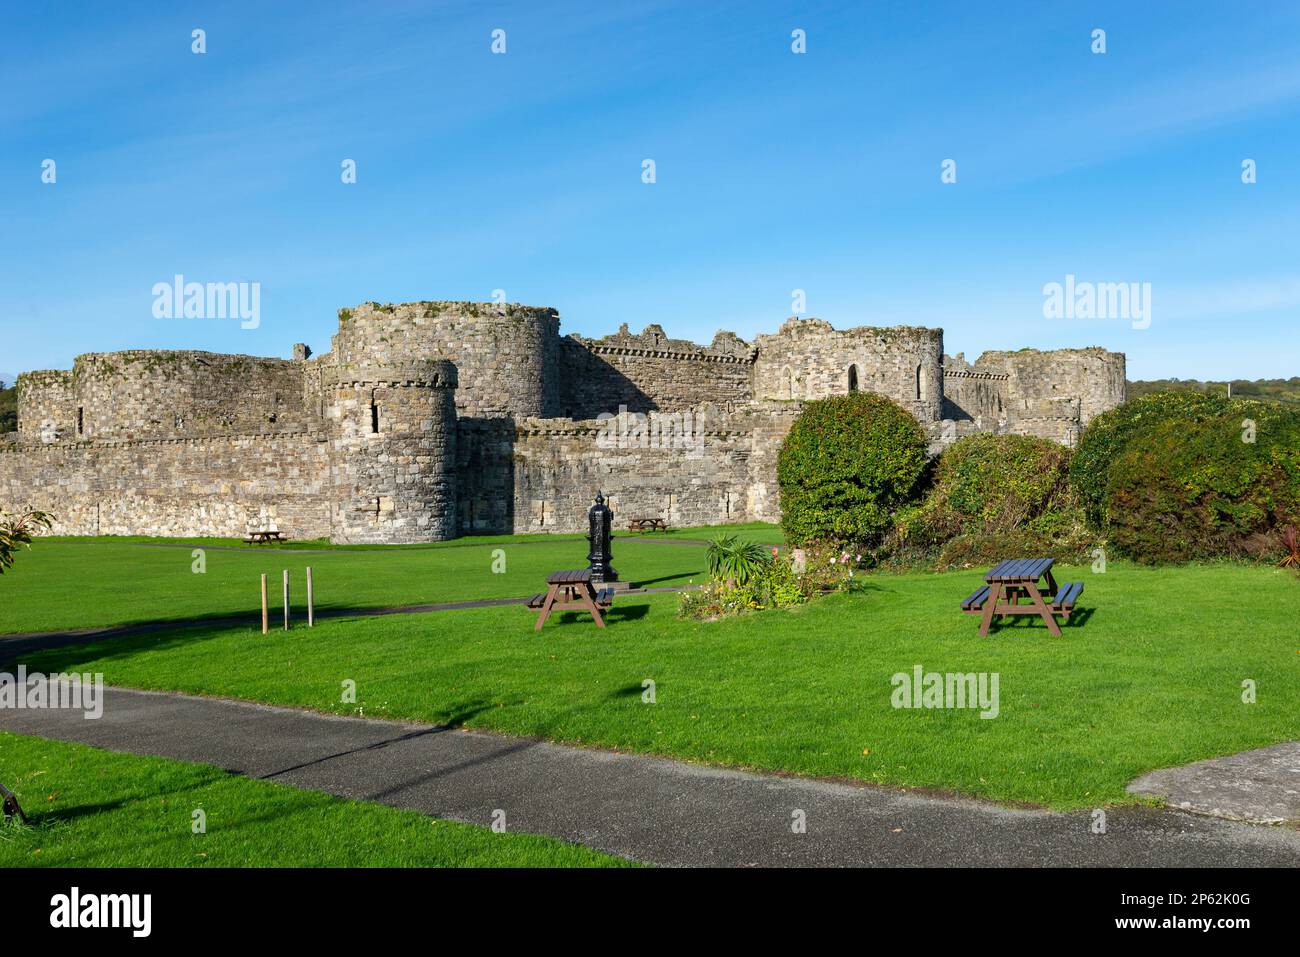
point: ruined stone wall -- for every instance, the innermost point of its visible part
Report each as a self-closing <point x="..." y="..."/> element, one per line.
<point x="808" y="359"/>
<point x="505" y="354"/>
<point x="47" y="405"/>
<point x="544" y="473"/>
<point x="973" y="395"/>
<point x="433" y="419"/>
<point x="152" y="394"/>
<point x="1094" y="377"/>
<point x="393" y="432"/>
<point x="217" y="486"/>
<point x="650" y="372"/>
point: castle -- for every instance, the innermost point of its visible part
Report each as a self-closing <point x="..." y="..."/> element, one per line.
<point x="430" y="420"/>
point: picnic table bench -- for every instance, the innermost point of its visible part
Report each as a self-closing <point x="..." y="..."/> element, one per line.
<point x="647" y="524"/>
<point x="1015" y="579"/>
<point x="264" y="536"/>
<point x="571" y="591"/>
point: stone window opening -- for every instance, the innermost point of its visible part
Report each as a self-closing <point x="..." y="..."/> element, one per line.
<point x="374" y="415"/>
<point x="853" y="378"/>
<point x="81" y="420"/>
<point x="920" y="383"/>
<point x="787" y="383"/>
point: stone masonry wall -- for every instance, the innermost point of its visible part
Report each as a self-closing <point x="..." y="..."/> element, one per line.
<point x="1094" y="378"/>
<point x="47" y="405"/>
<point x="215" y="486"/>
<point x="808" y="359"/>
<point x="689" y="470"/>
<point x="154" y="394"/>
<point x="650" y="372"/>
<point x="394" y="445"/>
<point x="505" y="355"/>
<point x="433" y="419"/>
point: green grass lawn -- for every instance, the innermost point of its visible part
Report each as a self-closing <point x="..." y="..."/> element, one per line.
<point x="80" y="583"/>
<point x="1149" y="674"/>
<point x="93" y="808"/>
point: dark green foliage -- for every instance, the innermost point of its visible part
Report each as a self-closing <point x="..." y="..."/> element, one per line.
<point x="994" y="497"/>
<point x="730" y="557"/>
<point x="847" y="464"/>
<point x="1107" y="437"/>
<point x="8" y="408"/>
<point x="1195" y="488"/>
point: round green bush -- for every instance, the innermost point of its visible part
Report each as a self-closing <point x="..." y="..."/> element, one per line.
<point x="847" y="463"/>
<point x="1107" y="436"/>
<point x="993" y="497"/>
<point x="1207" y="487"/>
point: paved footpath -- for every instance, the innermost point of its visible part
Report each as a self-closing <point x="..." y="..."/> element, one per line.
<point x="649" y="809"/>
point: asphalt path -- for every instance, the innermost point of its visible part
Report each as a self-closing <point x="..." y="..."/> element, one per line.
<point x="645" y="808"/>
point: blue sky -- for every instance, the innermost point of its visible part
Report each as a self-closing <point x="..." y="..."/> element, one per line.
<point x="775" y="171"/>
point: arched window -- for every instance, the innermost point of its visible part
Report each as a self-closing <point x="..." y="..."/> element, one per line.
<point x="787" y="383"/>
<point x="853" y="378"/>
<point x="920" y="382"/>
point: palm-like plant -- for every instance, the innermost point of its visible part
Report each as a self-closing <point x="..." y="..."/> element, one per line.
<point x="730" y="558"/>
<point x="17" y="532"/>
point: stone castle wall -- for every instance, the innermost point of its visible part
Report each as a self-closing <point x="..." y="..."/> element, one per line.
<point x="432" y="419"/>
<point x="650" y="372"/>
<point x="809" y="359"/>
<point x="152" y="394"/>
<point x="691" y="468"/>
<point x="1052" y="394"/>
<point x="218" y="485"/>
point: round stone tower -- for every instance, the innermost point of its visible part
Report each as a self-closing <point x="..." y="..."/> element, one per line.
<point x="393" y="451"/>
<point x="506" y="353"/>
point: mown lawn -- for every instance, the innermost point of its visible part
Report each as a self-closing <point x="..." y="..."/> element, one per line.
<point x="1149" y="674"/>
<point x="93" y="808"/>
<point x="80" y="583"/>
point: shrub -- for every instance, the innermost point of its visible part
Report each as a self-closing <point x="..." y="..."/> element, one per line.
<point x="847" y="464"/>
<point x="1191" y="489"/>
<point x="993" y="497"/>
<point x="1107" y="437"/>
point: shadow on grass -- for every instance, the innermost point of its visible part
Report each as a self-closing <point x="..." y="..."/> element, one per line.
<point x="647" y="582"/>
<point x="612" y="616"/>
<point x="111" y="647"/>
<point x="1078" y="618"/>
<point x="67" y="814"/>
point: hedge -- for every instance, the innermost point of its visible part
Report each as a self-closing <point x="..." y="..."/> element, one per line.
<point x="1220" y="485"/>
<point x="995" y="497"/>
<point x="1107" y="436"/>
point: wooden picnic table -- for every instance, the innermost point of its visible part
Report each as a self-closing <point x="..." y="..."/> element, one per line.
<point x="264" y="536"/>
<point x="644" y="524"/>
<point x="571" y="591"/>
<point x="1010" y="582"/>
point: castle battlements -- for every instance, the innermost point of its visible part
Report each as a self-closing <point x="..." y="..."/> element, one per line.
<point x="432" y="419"/>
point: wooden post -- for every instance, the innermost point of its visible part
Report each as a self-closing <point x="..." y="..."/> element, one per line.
<point x="286" y="599"/>
<point x="311" y="602"/>
<point x="264" y="622"/>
